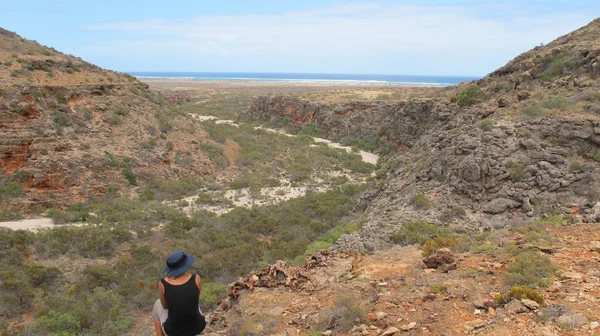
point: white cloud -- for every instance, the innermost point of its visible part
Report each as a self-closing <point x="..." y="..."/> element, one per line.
<point x="480" y="37"/>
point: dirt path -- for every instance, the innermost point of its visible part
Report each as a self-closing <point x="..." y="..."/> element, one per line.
<point x="29" y="224"/>
<point x="367" y="157"/>
<point x="34" y="224"/>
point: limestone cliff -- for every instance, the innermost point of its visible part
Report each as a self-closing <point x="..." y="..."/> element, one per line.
<point x="70" y="130"/>
<point x="517" y="145"/>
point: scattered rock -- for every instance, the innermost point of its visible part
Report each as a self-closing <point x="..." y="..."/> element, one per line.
<point x="594" y="325"/>
<point x="500" y="205"/>
<point x="573" y="276"/>
<point x="516" y="307"/>
<point x="530" y="304"/>
<point x="475" y="324"/>
<point x="390" y="331"/>
<point x="359" y="328"/>
<point x="443" y="261"/>
<point x="570" y="321"/>
<point x="408" y="327"/>
<point x="555" y="287"/>
<point x="381" y="315"/>
<point x="327" y="333"/>
<point x="522" y="95"/>
<point x="595" y="246"/>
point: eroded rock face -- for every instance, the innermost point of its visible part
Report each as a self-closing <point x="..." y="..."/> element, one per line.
<point x="56" y="142"/>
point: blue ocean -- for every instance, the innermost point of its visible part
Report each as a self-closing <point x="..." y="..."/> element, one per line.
<point x="309" y="77"/>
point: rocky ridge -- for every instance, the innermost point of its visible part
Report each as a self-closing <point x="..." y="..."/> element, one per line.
<point x="398" y="292"/>
<point x="513" y="147"/>
<point x="70" y="130"/>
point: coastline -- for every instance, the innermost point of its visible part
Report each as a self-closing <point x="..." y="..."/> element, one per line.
<point x="191" y="82"/>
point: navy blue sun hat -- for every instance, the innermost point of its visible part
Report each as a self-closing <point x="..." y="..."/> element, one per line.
<point x="178" y="262"/>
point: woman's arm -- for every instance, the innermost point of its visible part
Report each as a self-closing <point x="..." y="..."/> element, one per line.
<point x="161" y="294"/>
<point x="159" y="331"/>
<point x="199" y="283"/>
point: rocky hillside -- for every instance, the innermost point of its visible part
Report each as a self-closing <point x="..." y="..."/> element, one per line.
<point x="398" y="292"/>
<point x="70" y="130"/>
<point x="518" y="145"/>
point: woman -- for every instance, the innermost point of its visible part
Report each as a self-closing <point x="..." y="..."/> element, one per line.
<point x="176" y="312"/>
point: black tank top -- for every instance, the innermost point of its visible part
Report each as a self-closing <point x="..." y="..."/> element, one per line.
<point x="184" y="319"/>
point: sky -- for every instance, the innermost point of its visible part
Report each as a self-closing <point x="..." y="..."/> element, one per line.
<point x="452" y="38"/>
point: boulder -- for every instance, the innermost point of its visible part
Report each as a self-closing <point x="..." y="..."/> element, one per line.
<point x="516" y="307"/>
<point x="571" y="320"/>
<point x="500" y="205"/>
<point x="444" y="261"/>
<point x="390" y="331"/>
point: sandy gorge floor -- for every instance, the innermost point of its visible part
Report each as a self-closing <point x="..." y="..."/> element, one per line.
<point x="227" y="200"/>
<point x="245" y="197"/>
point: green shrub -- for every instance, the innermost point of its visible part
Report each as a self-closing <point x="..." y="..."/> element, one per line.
<point x="61" y="119"/>
<point x="10" y="190"/>
<point x="438" y="289"/>
<point x="420" y="201"/>
<point x="317" y="246"/>
<point x="597" y="157"/>
<point x="212" y="294"/>
<point x="7" y="63"/>
<point x="61" y="217"/>
<point x="122" y="110"/>
<point x="103" y="276"/>
<point x="57" y="324"/>
<point x="530" y="269"/>
<point x="9" y="215"/>
<point x="516" y="170"/>
<point x="471" y="95"/>
<point x="555" y="66"/>
<point x="60" y="98"/>
<point x="342" y="316"/>
<point x="417" y="232"/>
<point x="129" y="176"/>
<point x="533" y="111"/>
<point x="524" y="292"/>
<point x="486" y="124"/>
<point x="555" y="103"/>
<point x="430" y="246"/>
<point x="112" y="161"/>
<point x="113" y="119"/>
<point x="240" y="183"/>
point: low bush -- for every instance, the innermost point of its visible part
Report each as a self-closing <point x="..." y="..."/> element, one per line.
<point x="420" y="201"/>
<point x="533" y="111"/>
<point x="486" y="124"/>
<point x="555" y="103"/>
<point x="61" y="99"/>
<point x="431" y="246"/>
<point x="471" y="95"/>
<point x="530" y="269"/>
<point x="113" y="119"/>
<point x="555" y="65"/>
<point x="10" y="190"/>
<point x="417" y="232"/>
<point x="342" y="316"/>
<point x="516" y="170"/>
<point x="212" y="293"/>
<point x="524" y="292"/>
<point x="438" y="289"/>
<point x="61" y="119"/>
<point x="129" y="175"/>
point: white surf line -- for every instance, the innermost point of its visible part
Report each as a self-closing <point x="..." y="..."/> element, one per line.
<point x="34" y="225"/>
<point x="367" y="157"/>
